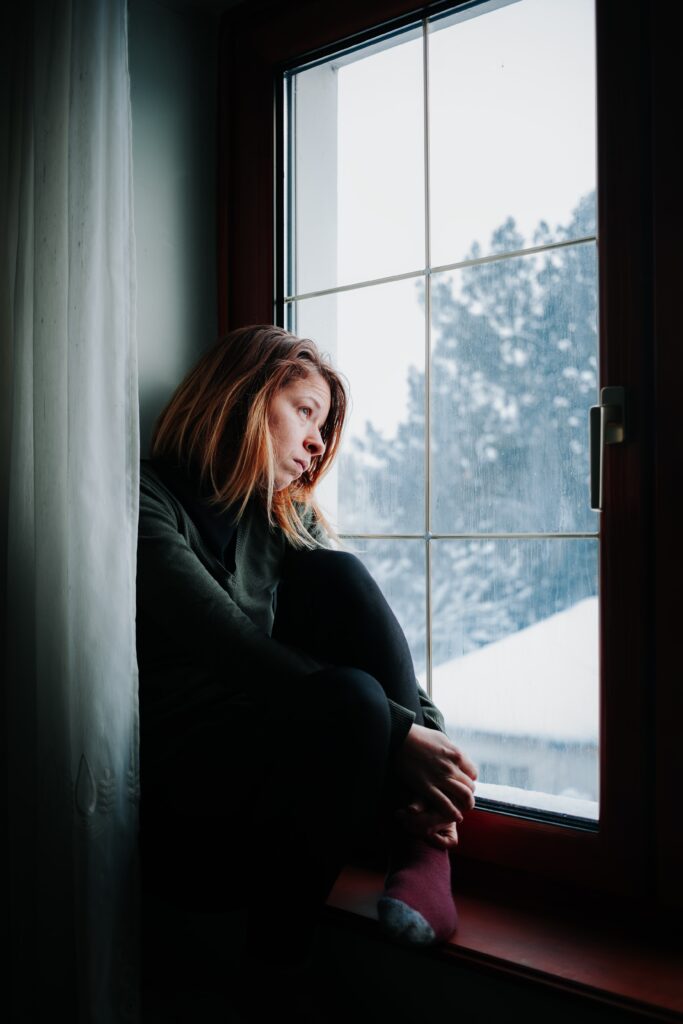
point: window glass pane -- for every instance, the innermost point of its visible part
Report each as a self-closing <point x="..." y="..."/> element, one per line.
<point x="399" y="568"/>
<point x="515" y="666"/>
<point x="376" y="337"/>
<point x="512" y="648"/>
<point x="511" y="127"/>
<point x="514" y="373"/>
<point x="358" y="189"/>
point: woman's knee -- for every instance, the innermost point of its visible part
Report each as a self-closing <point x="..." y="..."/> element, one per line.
<point x="342" y="571"/>
<point x="356" y="690"/>
<point x="332" y="592"/>
<point x="352" y="698"/>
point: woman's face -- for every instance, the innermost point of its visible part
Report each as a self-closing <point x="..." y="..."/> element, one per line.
<point x="296" y="416"/>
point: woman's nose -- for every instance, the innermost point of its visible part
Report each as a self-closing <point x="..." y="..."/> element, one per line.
<point x="315" y="443"/>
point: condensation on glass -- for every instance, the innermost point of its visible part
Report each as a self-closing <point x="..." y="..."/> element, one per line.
<point x="440" y="245"/>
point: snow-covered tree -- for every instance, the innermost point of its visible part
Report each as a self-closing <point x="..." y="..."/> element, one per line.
<point x="514" y="370"/>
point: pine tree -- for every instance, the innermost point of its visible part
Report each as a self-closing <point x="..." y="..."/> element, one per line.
<point x="514" y="370"/>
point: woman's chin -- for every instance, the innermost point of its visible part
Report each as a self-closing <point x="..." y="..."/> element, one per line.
<point x="282" y="485"/>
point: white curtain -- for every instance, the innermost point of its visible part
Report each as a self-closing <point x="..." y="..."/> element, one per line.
<point x="70" y="464"/>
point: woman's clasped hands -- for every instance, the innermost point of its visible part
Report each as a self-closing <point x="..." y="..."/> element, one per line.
<point x="442" y="779"/>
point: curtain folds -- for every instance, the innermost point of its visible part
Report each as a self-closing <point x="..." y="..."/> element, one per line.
<point x="69" y="457"/>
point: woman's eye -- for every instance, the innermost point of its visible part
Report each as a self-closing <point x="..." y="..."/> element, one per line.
<point x="305" y="408"/>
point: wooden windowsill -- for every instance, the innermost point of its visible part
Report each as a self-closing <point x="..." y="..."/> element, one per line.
<point x="609" y="965"/>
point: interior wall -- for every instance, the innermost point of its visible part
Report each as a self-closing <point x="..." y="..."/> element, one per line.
<point x="173" y="72"/>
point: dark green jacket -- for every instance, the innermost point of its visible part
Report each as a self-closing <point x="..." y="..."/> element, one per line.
<point x="203" y="629"/>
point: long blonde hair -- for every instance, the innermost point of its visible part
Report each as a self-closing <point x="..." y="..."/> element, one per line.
<point x="215" y="425"/>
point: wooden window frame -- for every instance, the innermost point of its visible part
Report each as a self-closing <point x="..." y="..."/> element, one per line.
<point x="638" y="848"/>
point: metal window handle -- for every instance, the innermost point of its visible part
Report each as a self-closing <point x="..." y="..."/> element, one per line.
<point x="607" y="426"/>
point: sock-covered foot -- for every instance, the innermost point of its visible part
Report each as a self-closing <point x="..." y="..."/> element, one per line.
<point x="417" y="906"/>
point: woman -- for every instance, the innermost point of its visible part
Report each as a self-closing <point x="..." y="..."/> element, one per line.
<point x="277" y="693"/>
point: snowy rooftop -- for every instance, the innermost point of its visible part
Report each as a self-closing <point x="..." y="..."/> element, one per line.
<point x="540" y="682"/>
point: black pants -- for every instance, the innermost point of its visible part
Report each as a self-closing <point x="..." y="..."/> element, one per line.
<point x="304" y="787"/>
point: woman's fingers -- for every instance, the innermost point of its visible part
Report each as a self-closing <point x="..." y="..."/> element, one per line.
<point x="428" y="826"/>
<point x="443" y="804"/>
<point x="462" y="778"/>
<point x="426" y="819"/>
<point x="449" y="797"/>
<point x="462" y="794"/>
<point x="457" y="793"/>
<point x="464" y="763"/>
<point x="443" y="838"/>
<point x="445" y="841"/>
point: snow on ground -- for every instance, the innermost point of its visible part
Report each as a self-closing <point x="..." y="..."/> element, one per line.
<point x="539" y="682"/>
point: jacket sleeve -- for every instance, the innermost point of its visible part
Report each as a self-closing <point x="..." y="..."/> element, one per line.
<point x="403" y="718"/>
<point x="432" y="716"/>
<point x="178" y="593"/>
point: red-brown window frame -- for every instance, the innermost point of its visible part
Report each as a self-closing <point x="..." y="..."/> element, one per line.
<point x="638" y="848"/>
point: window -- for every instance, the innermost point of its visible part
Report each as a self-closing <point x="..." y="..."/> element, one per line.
<point x="440" y="238"/>
<point x="639" y="754"/>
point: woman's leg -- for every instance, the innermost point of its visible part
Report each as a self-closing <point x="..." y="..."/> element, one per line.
<point x="329" y="604"/>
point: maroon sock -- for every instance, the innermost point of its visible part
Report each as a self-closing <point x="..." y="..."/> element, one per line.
<point x="417" y="906"/>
